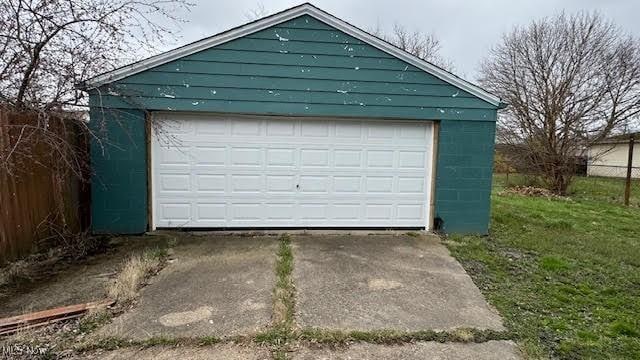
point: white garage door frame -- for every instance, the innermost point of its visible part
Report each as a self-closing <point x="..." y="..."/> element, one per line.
<point x="172" y="120"/>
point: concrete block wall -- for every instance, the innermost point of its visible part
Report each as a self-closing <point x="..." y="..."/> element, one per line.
<point x="464" y="175"/>
<point x="119" y="180"/>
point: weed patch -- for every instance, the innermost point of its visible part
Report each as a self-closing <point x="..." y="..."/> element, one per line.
<point x="284" y="290"/>
<point x="553" y="263"/>
<point x="114" y="343"/>
<point x="93" y="320"/>
<point x="136" y="270"/>
<point x="282" y="332"/>
<point x="387" y="337"/>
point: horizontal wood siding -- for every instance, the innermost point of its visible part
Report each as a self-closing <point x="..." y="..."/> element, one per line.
<point x="301" y="67"/>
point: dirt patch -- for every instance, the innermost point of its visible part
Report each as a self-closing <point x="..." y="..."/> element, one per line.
<point x="533" y="192"/>
<point x="17" y="276"/>
<point x="52" y="282"/>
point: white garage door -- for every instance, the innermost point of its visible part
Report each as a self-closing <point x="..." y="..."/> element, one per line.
<point x="238" y="171"/>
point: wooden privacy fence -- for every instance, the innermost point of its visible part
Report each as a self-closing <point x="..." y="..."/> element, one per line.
<point x="39" y="198"/>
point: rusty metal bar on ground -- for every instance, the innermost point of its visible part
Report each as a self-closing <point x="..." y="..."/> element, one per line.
<point x="13" y="324"/>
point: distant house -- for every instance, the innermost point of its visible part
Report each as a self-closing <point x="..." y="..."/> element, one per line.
<point x="609" y="157"/>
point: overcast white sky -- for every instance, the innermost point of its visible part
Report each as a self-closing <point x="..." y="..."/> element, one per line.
<point x="466" y="28"/>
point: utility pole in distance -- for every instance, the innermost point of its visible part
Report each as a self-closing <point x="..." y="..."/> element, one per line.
<point x="627" y="187"/>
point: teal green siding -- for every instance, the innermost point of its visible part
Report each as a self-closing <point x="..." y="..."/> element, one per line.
<point x="463" y="175"/>
<point x="301" y="67"/>
<point x="119" y="180"/>
<point x="304" y="67"/>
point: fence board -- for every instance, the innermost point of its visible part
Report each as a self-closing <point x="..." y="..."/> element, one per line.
<point x="38" y="197"/>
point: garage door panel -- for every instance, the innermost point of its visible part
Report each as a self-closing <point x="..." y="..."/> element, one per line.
<point x="281" y="128"/>
<point x="346" y="211"/>
<point x="211" y="212"/>
<point x="410" y="212"/>
<point x="211" y="183"/>
<point x="379" y="184"/>
<point x="210" y="128"/>
<point x="246" y="127"/>
<point x="209" y="155"/>
<point x="380" y="132"/>
<point x="246" y="156"/>
<point x="313" y="211"/>
<point x="314" y="128"/>
<point x="314" y="157"/>
<point x="281" y="157"/>
<point x="280" y="211"/>
<point x="174" y="156"/>
<point x="233" y="171"/>
<point x="242" y="212"/>
<point x="172" y="127"/>
<point x="281" y="184"/>
<point x="378" y="211"/>
<point x="345" y="158"/>
<point x="175" y="183"/>
<point x="350" y="130"/>
<point x="314" y="184"/>
<point x="347" y="184"/>
<point x="411" y="185"/>
<point x="246" y="183"/>
<point x="176" y="212"/>
<point x="413" y="134"/>
<point x="412" y="159"/>
<point x="380" y="159"/>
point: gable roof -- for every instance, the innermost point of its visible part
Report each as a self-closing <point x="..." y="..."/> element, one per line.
<point x="275" y="19"/>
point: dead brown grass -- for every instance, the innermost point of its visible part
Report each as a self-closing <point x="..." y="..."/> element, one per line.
<point x="464" y="335"/>
<point x="533" y="191"/>
<point x="136" y="270"/>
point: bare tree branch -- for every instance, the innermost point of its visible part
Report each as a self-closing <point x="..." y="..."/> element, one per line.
<point x="46" y="46"/>
<point x="256" y="13"/>
<point x="426" y="46"/>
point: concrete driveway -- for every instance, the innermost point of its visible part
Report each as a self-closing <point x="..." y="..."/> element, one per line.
<point x="375" y="282"/>
<point x="223" y="286"/>
<point x="213" y="286"/>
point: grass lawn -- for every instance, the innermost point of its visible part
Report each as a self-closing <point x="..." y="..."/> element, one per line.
<point x="565" y="274"/>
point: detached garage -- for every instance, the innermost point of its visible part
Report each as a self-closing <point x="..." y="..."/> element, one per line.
<point x="297" y="120"/>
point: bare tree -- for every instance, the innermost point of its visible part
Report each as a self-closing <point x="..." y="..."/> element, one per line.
<point x="256" y="13"/>
<point x="569" y="81"/>
<point x="426" y="46"/>
<point x="46" y="46"/>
